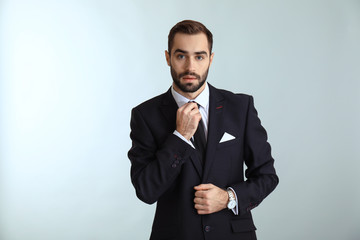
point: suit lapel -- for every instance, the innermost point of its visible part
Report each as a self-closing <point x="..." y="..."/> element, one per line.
<point x="216" y="109"/>
<point x="169" y="108"/>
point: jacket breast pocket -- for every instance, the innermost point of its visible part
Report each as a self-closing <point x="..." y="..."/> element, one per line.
<point x="229" y="143"/>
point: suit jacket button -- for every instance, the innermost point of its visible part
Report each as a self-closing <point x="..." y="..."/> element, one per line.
<point x="174" y="165"/>
<point x="207" y="228"/>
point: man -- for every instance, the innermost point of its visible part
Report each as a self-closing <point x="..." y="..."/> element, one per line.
<point x="189" y="146"/>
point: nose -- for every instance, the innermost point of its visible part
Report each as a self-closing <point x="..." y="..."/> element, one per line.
<point x="190" y="65"/>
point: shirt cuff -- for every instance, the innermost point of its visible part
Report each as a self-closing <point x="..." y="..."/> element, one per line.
<point x="236" y="208"/>
<point x="183" y="138"/>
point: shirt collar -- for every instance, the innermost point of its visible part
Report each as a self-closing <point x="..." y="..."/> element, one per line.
<point x="202" y="98"/>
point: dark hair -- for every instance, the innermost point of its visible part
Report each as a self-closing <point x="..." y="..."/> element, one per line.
<point x="189" y="27"/>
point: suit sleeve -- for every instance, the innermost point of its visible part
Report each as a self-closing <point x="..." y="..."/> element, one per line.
<point x="154" y="166"/>
<point x="260" y="172"/>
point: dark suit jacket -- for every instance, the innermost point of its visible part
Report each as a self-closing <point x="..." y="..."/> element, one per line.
<point x="165" y="169"/>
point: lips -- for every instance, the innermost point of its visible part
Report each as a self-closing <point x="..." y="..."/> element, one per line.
<point x="189" y="77"/>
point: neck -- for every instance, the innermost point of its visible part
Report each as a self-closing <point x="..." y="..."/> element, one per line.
<point x="190" y="95"/>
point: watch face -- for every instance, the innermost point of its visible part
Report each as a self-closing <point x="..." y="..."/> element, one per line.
<point x="231" y="204"/>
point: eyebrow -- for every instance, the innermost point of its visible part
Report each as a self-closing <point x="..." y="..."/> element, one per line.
<point x="186" y="52"/>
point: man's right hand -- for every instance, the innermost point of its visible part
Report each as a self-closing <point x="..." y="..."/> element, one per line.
<point x="187" y="119"/>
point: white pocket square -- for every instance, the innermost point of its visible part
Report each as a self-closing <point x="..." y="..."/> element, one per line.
<point x="226" y="137"/>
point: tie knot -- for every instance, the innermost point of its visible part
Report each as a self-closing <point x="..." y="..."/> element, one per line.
<point x="196" y="103"/>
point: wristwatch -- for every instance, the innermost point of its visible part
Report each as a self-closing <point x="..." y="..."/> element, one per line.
<point x="232" y="203"/>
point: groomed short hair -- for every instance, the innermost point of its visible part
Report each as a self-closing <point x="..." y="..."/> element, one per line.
<point x="189" y="27"/>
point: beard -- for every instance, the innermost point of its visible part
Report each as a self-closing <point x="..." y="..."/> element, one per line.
<point x="188" y="87"/>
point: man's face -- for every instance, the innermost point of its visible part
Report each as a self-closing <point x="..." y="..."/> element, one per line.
<point x="189" y="62"/>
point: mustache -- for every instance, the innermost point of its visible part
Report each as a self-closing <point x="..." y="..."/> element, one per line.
<point x="189" y="73"/>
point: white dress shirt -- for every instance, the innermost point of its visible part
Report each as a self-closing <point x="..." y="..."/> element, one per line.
<point x="202" y="100"/>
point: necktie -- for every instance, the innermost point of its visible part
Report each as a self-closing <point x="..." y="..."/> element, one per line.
<point x="199" y="140"/>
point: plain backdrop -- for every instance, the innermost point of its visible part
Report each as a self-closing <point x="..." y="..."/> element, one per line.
<point x="72" y="70"/>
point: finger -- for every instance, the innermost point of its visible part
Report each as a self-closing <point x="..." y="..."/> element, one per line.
<point x="187" y="107"/>
<point x="206" y="186"/>
<point x="200" y="200"/>
<point x="191" y="113"/>
<point x="195" y="112"/>
<point x="199" y="194"/>
<point x="184" y="109"/>
<point x="197" y="115"/>
<point x="199" y="207"/>
<point x="191" y="106"/>
<point x="203" y="212"/>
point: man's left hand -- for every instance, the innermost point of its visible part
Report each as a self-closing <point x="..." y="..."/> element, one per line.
<point x="210" y="198"/>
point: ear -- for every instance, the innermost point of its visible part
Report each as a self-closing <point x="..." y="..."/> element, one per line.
<point x="167" y="56"/>
<point x="211" y="58"/>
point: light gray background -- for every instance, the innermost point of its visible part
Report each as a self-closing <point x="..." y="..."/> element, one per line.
<point x="72" y="70"/>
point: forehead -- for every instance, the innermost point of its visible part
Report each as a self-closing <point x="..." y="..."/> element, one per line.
<point x="190" y="42"/>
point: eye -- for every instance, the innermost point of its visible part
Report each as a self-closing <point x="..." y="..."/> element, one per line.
<point x="199" y="57"/>
<point x="180" y="56"/>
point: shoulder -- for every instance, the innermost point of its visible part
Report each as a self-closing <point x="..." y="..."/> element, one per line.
<point x="154" y="102"/>
<point x="230" y="96"/>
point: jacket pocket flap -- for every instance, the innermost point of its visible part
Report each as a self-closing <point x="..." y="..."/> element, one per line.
<point x="243" y="225"/>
